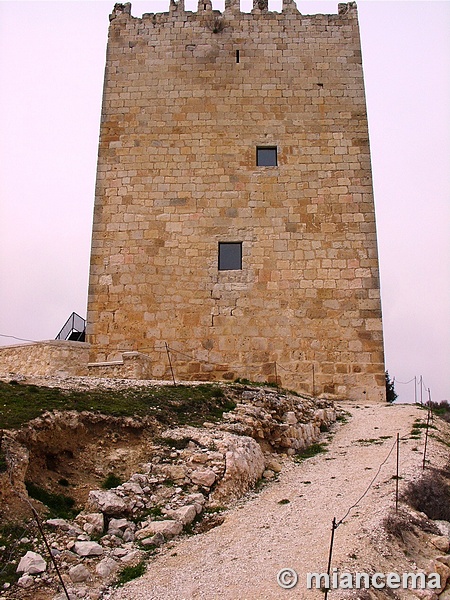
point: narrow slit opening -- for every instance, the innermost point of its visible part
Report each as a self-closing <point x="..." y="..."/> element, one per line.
<point x="237" y="56"/>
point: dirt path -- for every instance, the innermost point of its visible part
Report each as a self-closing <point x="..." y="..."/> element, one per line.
<point x="241" y="558"/>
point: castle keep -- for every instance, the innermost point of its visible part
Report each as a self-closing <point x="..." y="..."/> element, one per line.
<point x="234" y="219"/>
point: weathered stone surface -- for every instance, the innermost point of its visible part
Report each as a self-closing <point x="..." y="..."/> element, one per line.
<point x="58" y="524"/>
<point x="203" y="477"/>
<point x="94" y="523"/>
<point x="79" y="574"/>
<point x="305" y="224"/>
<point x="132" y="486"/>
<point x="132" y="558"/>
<point x="168" y="528"/>
<point x="440" y="542"/>
<point x="155" y="540"/>
<point x="88" y="549"/>
<point x="185" y="514"/>
<point x="106" y="502"/>
<point x="45" y="358"/>
<point x="425" y="594"/>
<point x="443" y="526"/>
<point x="274" y="465"/>
<point x="26" y="581"/>
<point x="32" y="564"/>
<point x="290" y="418"/>
<point x="120" y="526"/>
<point x="234" y="461"/>
<point x="444" y="572"/>
<point x="197" y="500"/>
<point x="63" y="525"/>
<point x="106" y="568"/>
<point x="174" y="472"/>
<point x="242" y="460"/>
<point x="444" y="559"/>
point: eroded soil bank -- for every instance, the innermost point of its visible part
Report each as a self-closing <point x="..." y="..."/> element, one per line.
<point x="141" y="480"/>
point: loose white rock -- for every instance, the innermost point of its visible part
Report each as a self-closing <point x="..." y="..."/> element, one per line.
<point x="79" y="574"/>
<point x="25" y="581"/>
<point x="32" y="564"/>
<point x="185" y="514"/>
<point x="168" y="528"/>
<point x="88" y="549"/>
<point x="106" y="568"/>
<point x="203" y="477"/>
<point x="106" y="502"/>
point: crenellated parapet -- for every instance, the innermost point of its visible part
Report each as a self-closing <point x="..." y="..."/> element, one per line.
<point x="232" y="7"/>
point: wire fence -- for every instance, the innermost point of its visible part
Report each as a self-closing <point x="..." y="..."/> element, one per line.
<point x="306" y="369"/>
<point x="336" y="523"/>
<point x="30" y="528"/>
<point x="420" y="389"/>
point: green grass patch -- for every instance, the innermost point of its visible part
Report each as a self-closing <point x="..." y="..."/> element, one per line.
<point x="343" y="417"/>
<point x="155" y="512"/>
<point x="190" y="528"/>
<point x="171" y="404"/>
<point x="129" y="573"/>
<point x="440" y="440"/>
<point x="421" y="425"/>
<point x="310" y="452"/>
<point x="60" y="505"/>
<point x="112" y="481"/>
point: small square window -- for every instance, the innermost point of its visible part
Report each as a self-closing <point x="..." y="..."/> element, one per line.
<point x="266" y="157"/>
<point x="230" y="256"/>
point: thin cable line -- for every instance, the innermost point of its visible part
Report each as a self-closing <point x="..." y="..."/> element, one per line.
<point x="18" y="338"/>
<point x="368" y="487"/>
<point x="404" y="382"/>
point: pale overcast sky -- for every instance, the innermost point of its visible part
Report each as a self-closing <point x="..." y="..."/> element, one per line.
<point x="52" y="57"/>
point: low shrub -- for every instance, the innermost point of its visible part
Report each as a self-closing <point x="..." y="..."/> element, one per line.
<point x="60" y="505"/>
<point x="112" y="481"/>
<point x="442" y="409"/>
<point x="129" y="573"/>
<point x="396" y="524"/>
<point x="431" y="495"/>
<point x="310" y="451"/>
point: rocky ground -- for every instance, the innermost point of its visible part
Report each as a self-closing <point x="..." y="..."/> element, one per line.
<point x="218" y="511"/>
<point x="174" y="480"/>
<point x="288" y="524"/>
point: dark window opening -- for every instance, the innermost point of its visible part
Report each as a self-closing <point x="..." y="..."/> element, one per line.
<point x="266" y="156"/>
<point x="237" y="56"/>
<point x="230" y="256"/>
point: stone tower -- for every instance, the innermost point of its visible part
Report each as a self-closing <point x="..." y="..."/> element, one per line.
<point x="234" y="218"/>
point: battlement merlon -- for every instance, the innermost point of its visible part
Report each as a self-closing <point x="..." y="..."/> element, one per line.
<point x="177" y="9"/>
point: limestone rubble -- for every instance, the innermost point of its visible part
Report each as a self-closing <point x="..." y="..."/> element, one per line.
<point x="193" y="473"/>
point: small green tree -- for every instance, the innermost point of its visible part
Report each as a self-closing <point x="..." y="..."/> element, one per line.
<point x="391" y="396"/>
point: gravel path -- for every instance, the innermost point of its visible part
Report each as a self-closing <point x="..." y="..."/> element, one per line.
<point x="241" y="558"/>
